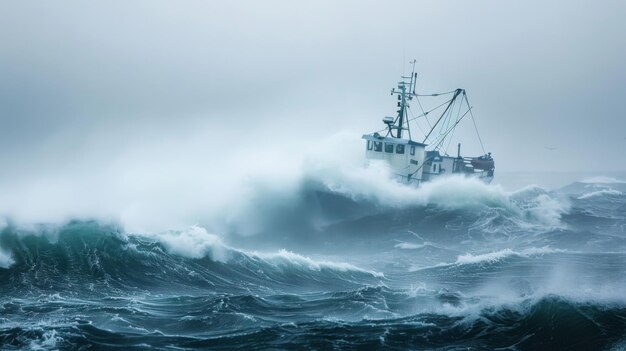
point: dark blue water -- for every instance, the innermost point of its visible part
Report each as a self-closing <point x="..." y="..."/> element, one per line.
<point x="460" y="266"/>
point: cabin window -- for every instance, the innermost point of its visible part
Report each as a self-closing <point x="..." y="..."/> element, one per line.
<point x="414" y="162"/>
<point x="369" y="144"/>
<point x="389" y="148"/>
<point x="412" y="150"/>
<point x="378" y="146"/>
<point x="399" y="149"/>
<point x="435" y="167"/>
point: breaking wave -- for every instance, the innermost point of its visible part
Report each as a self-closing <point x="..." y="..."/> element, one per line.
<point x="89" y="255"/>
<point x="495" y="256"/>
<point x="602" y="180"/>
<point x="323" y="201"/>
<point x="600" y="193"/>
<point x="335" y="262"/>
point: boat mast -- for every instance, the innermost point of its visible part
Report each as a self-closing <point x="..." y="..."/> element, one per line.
<point x="456" y="94"/>
<point x="403" y="97"/>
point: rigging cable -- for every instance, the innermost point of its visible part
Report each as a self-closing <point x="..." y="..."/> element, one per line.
<point x="456" y="94"/>
<point x="453" y="127"/>
<point x="444" y="126"/>
<point x="415" y="118"/>
<point x="474" y="121"/>
<point x="452" y="135"/>
<point x="423" y="113"/>
<point x="437" y="94"/>
<point x="427" y="112"/>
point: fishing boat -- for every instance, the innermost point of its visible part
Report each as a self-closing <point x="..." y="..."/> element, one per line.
<point x="426" y="159"/>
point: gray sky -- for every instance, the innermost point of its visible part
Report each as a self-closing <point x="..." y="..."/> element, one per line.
<point x="89" y="91"/>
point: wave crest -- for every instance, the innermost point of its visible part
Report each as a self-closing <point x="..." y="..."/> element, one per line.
<point x="88" y="255"/>
<point x="600" y="193"/>
<point x="496" y="256"/>
<point x="193" y="242"/>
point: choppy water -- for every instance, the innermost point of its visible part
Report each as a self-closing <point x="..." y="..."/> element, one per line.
<point x="456" y="265"/>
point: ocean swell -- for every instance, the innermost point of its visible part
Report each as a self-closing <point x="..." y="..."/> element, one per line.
<point x="88" y="255"/>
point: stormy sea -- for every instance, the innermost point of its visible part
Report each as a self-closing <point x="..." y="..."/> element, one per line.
<point x="452" y="265"/>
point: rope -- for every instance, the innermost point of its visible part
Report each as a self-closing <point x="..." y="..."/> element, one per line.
<point x="458" y="113"/>
<point x="423" y="113"/>
<point x="453" y="127"/>
<point x="443" y="132"/>
<point x="418" y="125"/>
<point x="437" y="94"/>
<point x="474" y="122"/>
<point x="456" y="95"/>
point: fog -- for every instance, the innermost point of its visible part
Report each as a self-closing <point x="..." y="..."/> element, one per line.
<point x="163" y="114"/>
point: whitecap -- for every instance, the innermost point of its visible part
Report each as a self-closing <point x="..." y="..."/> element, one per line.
<point x="602" y="180"/>
<point x="6" y="259"/>
<point x="495" y="256"/>
<point x="287" y="258"/>
<point x="603" y="192"/>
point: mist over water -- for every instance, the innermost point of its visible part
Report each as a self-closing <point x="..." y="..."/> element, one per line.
<point x="327" y="254"/>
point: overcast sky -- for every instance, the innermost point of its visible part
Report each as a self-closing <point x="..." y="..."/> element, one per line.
<point x="92" y="88"/>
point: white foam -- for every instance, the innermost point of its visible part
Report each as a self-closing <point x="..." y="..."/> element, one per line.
<point x="548" y="210"/>
<point x="48" y="341"/>
<point x="6" y="259"/>
<point x="193" y="242"/>
<point x="144" y="199"/>
<point x="196" y="242"/>
<point x="540" y="251"/>
<point x="532" y="206"/>
<point x="602" y="180"/>
<point x="561" y="282"/>
<point x="539" y="209"/>
<point x="285" y="258"/>
<point x="602" y="192"/>
<point x="416" y="268"/>
<point x="484" y="258"/>
<point x="412" y="246"/>
<point x="490" y="257"/>
<point x="409" y="246"/>
<point x="375" y="183"/>
<point x="501" y="254"/>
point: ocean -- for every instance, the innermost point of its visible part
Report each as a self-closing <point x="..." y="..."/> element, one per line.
<point x="452" y="265"/>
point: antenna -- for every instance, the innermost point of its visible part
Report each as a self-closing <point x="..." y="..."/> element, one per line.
<point x="403" y="96"/>
<point x="414" y="76"/>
